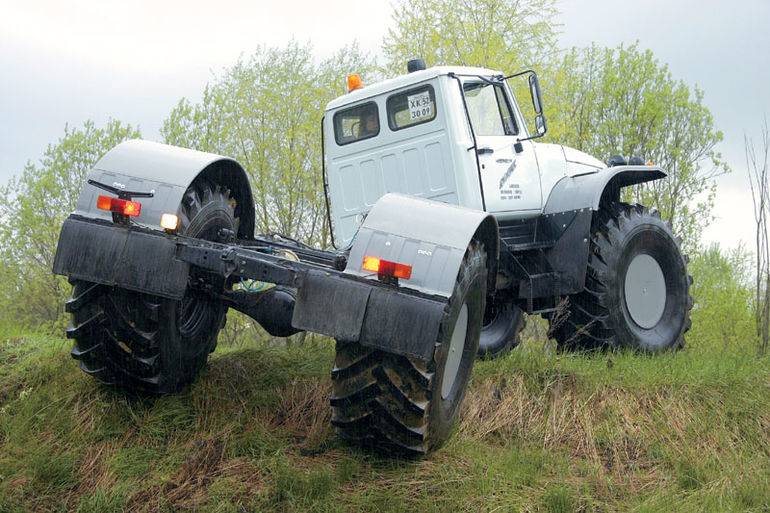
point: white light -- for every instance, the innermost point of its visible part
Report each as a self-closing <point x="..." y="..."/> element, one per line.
<point x="169" y="221"/>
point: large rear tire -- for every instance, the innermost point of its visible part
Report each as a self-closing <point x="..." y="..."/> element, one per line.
<point x="501" y="332"/>
<point x="402" y="404"/>
<point x="637" y="291"/>
<point x="144" y="343"/>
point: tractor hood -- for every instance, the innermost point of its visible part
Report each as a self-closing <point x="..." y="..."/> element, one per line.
<point x="579" y="162"/>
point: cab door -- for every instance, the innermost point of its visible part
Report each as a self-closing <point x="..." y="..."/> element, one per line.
<point x="510" y="181"/>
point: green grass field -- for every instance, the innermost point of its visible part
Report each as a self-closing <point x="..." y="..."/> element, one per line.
<point x="540" y="431"/>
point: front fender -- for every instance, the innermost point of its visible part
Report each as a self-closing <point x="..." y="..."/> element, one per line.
<point x="138" y="165"/>
<point x="585" y="190"/>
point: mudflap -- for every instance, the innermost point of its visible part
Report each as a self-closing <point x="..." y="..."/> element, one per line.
<point x="98" y="252"/>
<point x="375" y="316"/>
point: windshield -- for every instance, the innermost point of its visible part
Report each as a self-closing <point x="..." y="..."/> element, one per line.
<point x="488" y="109"/>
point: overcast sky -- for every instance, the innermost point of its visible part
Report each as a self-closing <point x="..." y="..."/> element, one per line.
<point x="66" y="62"/>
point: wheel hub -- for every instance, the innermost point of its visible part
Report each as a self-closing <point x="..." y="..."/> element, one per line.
<point x="645" y="291"/>
<point x="455" y="355"/>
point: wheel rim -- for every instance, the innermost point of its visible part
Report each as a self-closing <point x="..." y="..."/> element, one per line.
<point x="645" y="291"/>
<point x="455" y="354"/>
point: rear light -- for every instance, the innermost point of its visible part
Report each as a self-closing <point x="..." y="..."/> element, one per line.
<point x="119" y="206"/>
<point x="386" y="268"/>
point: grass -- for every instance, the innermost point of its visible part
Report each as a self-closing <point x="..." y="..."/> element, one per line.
<point x="540" y="431"/>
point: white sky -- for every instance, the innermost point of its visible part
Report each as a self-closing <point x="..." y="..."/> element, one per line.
<point x="66" y="62"/>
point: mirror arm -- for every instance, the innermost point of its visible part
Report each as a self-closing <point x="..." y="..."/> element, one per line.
<point x="518" y="147"/>
<point x="520" y="73"/>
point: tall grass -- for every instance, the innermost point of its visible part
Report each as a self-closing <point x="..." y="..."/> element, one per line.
<point x="540" y="431"/>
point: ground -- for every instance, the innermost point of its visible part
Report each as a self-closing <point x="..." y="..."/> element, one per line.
<point x="540" y="431"/>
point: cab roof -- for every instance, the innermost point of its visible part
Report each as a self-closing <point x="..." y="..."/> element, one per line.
<point x="406" y="80"/>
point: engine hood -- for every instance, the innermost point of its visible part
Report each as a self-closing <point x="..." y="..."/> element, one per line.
<point x="578" y="157"/>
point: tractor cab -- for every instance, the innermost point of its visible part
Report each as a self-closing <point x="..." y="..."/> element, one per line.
<point x="450" y="134"/>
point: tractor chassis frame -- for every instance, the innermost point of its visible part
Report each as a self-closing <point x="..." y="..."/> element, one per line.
<point x="321" y="297"/>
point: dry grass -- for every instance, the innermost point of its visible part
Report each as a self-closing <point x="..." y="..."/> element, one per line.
<point x="93" y="470"/>
<point x="617" y="431"/>
<point x="304" y="412"/>
<point x="188" y="489"/>
<point x="538" y="432"/>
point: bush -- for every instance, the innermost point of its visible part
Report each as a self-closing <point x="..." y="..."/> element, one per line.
<point x="722" y="315"/>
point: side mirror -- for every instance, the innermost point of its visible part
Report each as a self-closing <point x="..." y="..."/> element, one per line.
<point x="534" y="91"/>
<point x="541" y="127"/>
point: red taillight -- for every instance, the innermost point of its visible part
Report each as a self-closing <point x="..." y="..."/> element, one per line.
<point x="119" y="206"/>
<point x="386" y="268"/>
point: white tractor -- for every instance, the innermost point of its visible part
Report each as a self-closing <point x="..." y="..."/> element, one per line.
<point x="449" y="222"/>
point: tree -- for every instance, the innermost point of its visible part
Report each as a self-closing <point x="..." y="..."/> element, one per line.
<point x="759" y="182"/>
<point x="500" y="34"/>
<point x="266" y="112"/>
<point x="36" y="203"/>
<point x="609" y="101"/>
<point x="722" y="317"/>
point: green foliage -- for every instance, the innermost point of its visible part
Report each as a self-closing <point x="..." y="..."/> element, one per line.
<point x="35" y="205"/>
<point x="722" y="314"/>
<point x="265" y="112"/>
<point x="498" y="34"/>
<point x="623" y="101"/>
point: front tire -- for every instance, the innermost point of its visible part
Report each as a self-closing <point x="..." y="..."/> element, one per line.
<point x="144" y="343"/>
<point x="394" y="402"/>
<point x="637" y="287"/>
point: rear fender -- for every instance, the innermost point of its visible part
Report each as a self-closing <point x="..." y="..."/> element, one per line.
<point x="168" y="171"/>
<point x="428" y="235"/>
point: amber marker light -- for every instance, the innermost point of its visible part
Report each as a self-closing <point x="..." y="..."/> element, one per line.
<point x="355" y="82"/>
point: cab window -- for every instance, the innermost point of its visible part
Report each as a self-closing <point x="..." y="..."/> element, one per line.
<point x="489" y="110"/>
<point x="356" y="123"/>
<point x="411" y="108"/>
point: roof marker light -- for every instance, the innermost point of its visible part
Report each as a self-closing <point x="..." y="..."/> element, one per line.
<point x="355" y="82"/>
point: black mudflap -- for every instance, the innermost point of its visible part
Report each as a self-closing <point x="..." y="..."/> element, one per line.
<point x="375" y="316"/>
<point x="110" y="255"/>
